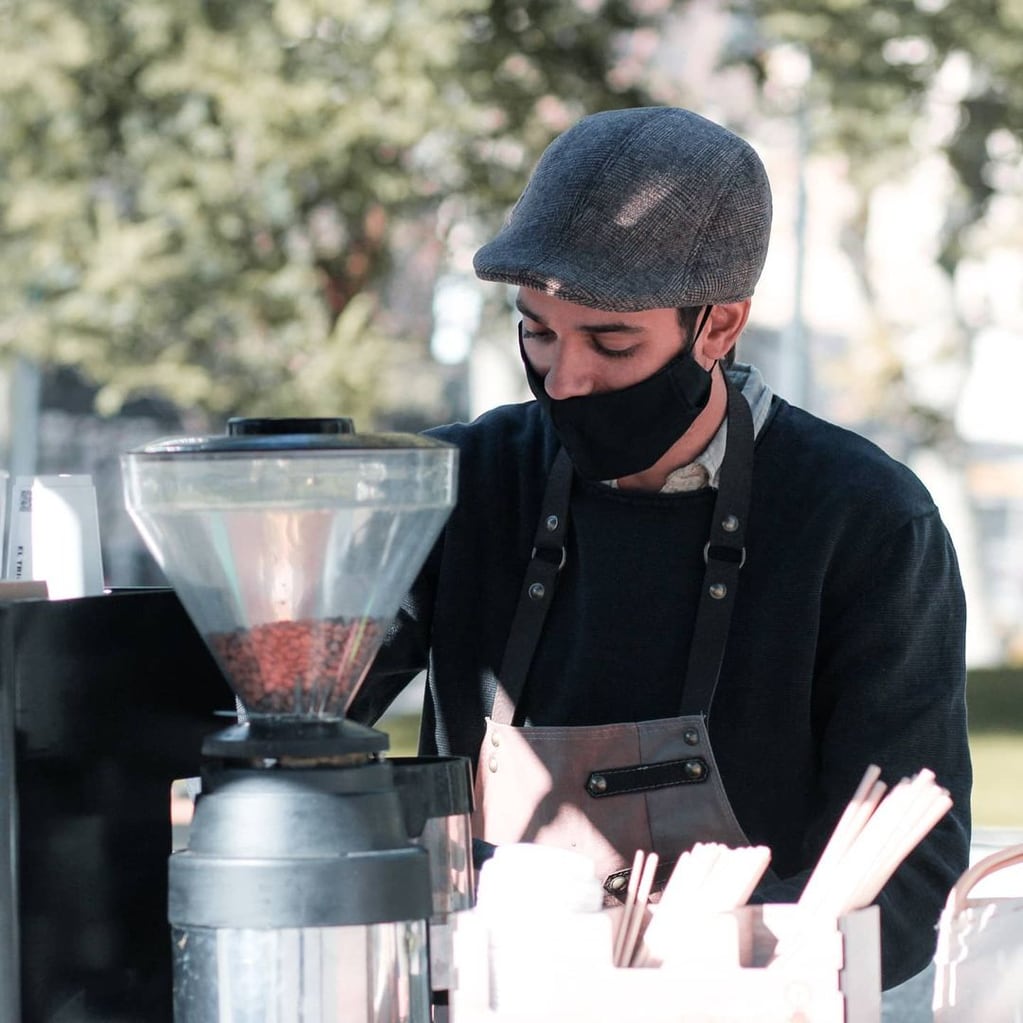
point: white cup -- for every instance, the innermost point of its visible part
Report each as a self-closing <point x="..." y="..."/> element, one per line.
<point x="543" y="912"/>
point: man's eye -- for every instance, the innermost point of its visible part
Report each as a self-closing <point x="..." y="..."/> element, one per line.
<point x="613" y="353"/>
<point x="536" y="335"/>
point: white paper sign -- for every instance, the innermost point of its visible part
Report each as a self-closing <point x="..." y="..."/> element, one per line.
<point x="54" y="535"/>
<point x="5" y="496"/>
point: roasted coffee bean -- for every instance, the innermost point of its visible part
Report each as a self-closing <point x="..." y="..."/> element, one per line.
<point x="308" y="667"/>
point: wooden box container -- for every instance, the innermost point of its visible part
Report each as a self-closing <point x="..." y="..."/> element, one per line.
<point x="760" y="964"/>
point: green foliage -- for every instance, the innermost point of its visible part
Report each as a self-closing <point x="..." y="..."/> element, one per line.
<point x="199" y="198"/>
<point x="997" y="768"/>
<point x="876" y="67"/>
<point x="890" y="85"/>
<point x="995" y="700"/>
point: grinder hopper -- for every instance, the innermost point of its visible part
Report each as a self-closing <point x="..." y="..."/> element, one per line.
<point x="291" y="549"/>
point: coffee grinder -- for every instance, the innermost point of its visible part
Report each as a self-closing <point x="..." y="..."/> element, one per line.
<point x="300" y="896"/>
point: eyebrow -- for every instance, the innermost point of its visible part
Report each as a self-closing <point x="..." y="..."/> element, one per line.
<point x="611" y="327"/>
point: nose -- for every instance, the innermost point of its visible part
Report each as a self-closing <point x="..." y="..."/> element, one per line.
<point x="569" y="375"/>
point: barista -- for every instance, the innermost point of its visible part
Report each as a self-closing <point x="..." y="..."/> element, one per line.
<point x="669" y="606"/>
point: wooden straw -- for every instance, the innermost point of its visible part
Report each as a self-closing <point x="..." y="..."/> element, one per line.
<point x="683" y="879"/>
<point x="639" y="908"/>
<point x="711" y="878"/>
<point x="855" y="874"/>
<point x="856" y="861"/>
<point x="704" y="859"/>
<point x="858" y="811"/>
<point x="927" y="805"/>
<point x="743" y="869"/>
<point x="630" y="901"/>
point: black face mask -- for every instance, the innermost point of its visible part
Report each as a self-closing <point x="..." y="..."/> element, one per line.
<point x="620" y="433"/>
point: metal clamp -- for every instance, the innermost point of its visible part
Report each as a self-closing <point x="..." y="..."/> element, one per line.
<point x="731" y="551"/>
<point x="561" y="564"/>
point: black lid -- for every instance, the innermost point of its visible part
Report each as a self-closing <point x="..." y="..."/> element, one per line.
<point x="239" y="426"/>
<point x="253" y="436"/>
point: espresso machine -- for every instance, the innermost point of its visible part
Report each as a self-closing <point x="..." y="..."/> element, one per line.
<point x="305" y="892"/>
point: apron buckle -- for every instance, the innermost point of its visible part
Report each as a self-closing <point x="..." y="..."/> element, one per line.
<point x="544" y="551"/>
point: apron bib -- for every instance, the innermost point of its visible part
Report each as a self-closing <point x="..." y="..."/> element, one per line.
<point x="608" y="790"/>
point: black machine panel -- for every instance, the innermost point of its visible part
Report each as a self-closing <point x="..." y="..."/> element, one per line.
<point x="104" y="701"/>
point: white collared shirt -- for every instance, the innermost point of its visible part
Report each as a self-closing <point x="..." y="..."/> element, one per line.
<point x="705" y="469"/>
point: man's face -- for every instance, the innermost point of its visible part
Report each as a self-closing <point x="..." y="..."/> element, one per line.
<point x="578" y="350"/>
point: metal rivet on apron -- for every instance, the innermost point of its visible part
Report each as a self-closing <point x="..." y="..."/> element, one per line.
<point x="729" y="523"/>
<point x="552" y="523"/>
<point x="492" y="763"/>
<point x="694" y="769"/>
<point x="597" y="783"/>
<point x="717" y="590"/>
<point x="616" y="884"/>
<point x="691" y="736"/>
<point x="536" y="591"/>
<point x="495" y="739"/>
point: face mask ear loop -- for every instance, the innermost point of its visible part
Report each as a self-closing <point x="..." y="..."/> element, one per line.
<point x="707" y="310"/>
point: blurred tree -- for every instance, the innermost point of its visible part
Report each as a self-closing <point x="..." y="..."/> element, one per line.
<point x="200" y="198"/>
<point x="890" y="84"/>
<point x="875" y="69"/>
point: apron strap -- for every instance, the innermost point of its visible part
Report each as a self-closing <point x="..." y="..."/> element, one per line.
<point x="537" y="592"/>
<point x="724" y="554"/>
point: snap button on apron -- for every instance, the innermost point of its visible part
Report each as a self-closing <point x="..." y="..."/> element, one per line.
<point x="695" y="769"/>
<point x="495" y="739"/>
<point x="729" y="523"/>
<point x="537" y="591"/>
<point x="691" y="737"/>
<point x="718" y="591"/>
<point x="492" y="765"/>
<point x="552" y="523"/>
<point x="596" y="784"/>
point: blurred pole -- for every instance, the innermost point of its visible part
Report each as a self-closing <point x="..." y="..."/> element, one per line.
<point x="790" y="70"/>
<point x="25" y="387"/>
<point x="799" y="341"/>
<point x="457" y="306"/>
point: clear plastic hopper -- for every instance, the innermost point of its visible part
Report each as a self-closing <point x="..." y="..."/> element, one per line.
<point x="292" y="551"/>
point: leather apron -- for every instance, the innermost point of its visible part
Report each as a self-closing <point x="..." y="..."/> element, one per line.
<point x="609" y="790"/>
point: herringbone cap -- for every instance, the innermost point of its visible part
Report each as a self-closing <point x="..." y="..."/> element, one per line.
<point x="645" y="208"/>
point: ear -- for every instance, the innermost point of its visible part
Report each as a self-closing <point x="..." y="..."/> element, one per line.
<point x="722" y="330"/>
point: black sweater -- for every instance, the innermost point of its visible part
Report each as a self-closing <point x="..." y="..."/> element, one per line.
<point x="846" y="645"/>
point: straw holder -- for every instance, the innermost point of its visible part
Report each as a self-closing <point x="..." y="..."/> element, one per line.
<point x="757" y="964"/>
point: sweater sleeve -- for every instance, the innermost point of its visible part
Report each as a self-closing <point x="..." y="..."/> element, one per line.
<point x="890" y="690"/>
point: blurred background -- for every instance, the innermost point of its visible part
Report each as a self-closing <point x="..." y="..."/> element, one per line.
<point x="269" y="207"/>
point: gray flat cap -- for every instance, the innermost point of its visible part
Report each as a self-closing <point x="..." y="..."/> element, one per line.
<point x="646" y="208"/>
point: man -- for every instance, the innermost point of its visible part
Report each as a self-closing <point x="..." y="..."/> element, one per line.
<point x="668" y="606"/>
